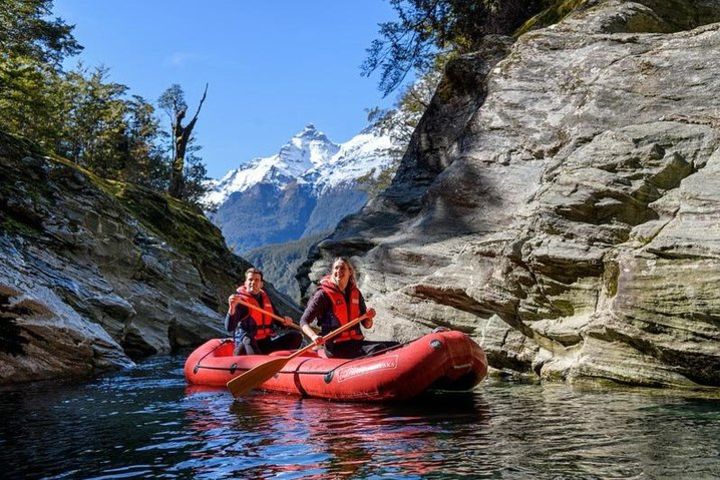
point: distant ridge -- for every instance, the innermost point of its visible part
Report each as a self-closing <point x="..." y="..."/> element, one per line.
<point x="304" y="189"/>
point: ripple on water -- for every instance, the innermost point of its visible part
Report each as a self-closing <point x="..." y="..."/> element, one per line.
<point x="146" y="422"/>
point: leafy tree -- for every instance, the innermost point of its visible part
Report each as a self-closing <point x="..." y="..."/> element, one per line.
<point x="31" y="48"/>
<point x="115" y="136"/>
<point x="95" y="121"/>
<point x="195" y="175"/>
<point x="144" y="161"/>
<point x="81" y="114"/>
<point x="29" y="102"/>
<point x="32" y="45"/>
<point x="428" y="27"/>
<point x="27" y="31"/>
<point x="400" y="122"/>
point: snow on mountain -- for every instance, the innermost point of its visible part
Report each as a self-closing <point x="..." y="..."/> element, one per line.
<point x="309" y="147"/>
<point x="303" y="190"/>
<point x="308" y="157"/>
<point x="364" y="153"/>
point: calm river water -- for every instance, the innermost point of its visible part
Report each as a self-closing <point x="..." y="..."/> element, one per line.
<point x="146" y="422"/>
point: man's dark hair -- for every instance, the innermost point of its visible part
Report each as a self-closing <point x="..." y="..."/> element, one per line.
<point x="252" y="270"/>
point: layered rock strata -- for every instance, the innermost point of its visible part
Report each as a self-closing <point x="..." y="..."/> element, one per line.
<point x="95" y="274"/>
<point x="560" y="202"/>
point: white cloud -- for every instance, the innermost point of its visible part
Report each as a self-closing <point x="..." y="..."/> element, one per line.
<point x="179" y="59"/>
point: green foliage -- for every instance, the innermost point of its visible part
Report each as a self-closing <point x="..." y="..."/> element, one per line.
<point x="145" y="162"/>
<point x="27" y="32"/>
<point x="428" y="27"/>
<point x="31" y="49"/>
<point x="183" y="226"/>
<point x="172" y="101"/>
<point x="400" y="122"/>
<point x="374" y="186"/>
<point x="552" y="14"/>
<point x="195" y="175"/>
<point x="188" y="174"/>
<point x="80" y="114"/>
<point x="94" y="112"/>
<point x="428" y="34"/>
<point x="29" y="105"/>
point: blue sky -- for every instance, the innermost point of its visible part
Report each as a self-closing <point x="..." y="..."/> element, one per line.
<point x="273" y="65"/>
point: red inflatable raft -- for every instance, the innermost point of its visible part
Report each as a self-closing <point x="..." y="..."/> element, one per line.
<point x="449" y="360"/>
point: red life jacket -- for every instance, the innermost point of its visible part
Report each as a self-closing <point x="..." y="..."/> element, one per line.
<point x="343" y="311"/>
<point x="262" y="321"/>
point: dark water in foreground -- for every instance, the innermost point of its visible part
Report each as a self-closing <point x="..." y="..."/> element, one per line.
<point x="146" y="423"/>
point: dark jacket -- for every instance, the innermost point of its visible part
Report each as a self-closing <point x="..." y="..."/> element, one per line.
<point x="320" y="309"/>
<point x="240" y="322"/>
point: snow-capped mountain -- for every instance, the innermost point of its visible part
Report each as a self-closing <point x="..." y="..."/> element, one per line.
<point x="363" y="154"/>
<point x="305" y="188"/>
<point x="308" y="157"/>
<point x="308" y="150"/>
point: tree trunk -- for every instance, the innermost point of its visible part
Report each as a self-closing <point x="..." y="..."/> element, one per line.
<point x="181" y="136"/>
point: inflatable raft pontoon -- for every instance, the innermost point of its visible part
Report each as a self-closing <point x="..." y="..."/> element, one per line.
<point x="448" y="360"/>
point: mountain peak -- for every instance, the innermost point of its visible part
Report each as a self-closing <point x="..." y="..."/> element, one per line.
<point x="308" y="157"/>
<point x="311" y="133"/>
<point x="309" y="147"/>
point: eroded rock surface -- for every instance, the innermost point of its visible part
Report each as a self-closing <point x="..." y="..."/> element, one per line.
<point x="560" y="202"/>
<point x="95" y="274"/>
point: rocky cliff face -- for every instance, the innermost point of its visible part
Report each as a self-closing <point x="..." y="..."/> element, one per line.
<point x="560" y="201"/>
<point x="95" y="274"/>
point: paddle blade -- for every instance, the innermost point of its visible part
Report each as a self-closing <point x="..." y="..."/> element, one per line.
<point x="253" y="378"/>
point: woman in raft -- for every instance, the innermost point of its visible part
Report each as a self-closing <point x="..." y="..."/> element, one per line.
<point x="336" y="302"/>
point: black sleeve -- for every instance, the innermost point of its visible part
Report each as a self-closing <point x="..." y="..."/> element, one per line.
<point x="316" y="307"/>
<point x="363" y="307"/>
<point x="232" y="321"/>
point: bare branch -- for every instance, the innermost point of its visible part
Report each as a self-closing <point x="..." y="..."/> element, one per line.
<point x="201" y="104"/>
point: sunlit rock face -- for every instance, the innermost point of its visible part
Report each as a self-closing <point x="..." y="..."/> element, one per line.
<point x="95" y="274"/>
<point x="560" y="202"/>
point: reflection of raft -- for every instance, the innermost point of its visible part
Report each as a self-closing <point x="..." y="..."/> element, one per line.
<point x="449" y="360"/>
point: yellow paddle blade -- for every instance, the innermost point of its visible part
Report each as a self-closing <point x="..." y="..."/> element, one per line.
<point x="253" y="378"/>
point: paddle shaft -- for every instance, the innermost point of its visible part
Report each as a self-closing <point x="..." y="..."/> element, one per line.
<point x="255" y="376"/>
<point x="265" y="312"/>
<point x="329" y="336"/>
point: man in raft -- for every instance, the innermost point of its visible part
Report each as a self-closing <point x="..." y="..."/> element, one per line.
<point x="336" y="302"/>
<point x="253" y="330"/>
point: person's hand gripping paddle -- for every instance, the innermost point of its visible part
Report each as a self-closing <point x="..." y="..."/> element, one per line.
<point x="286" y="321"/>
<point x="249" y="380"/>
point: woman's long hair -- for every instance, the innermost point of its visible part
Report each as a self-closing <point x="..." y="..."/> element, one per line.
<point x="352" y="280"/>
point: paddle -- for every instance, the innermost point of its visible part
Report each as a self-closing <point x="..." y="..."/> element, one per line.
<point x="272" y="315"/>
<point x="252" y="378"/>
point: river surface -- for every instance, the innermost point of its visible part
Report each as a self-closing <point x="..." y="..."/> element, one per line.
<point x="146" y="423"/>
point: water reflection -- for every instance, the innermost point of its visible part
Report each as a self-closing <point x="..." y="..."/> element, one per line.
<point x="287" y="437"/>
<point x="147" y="422"/>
